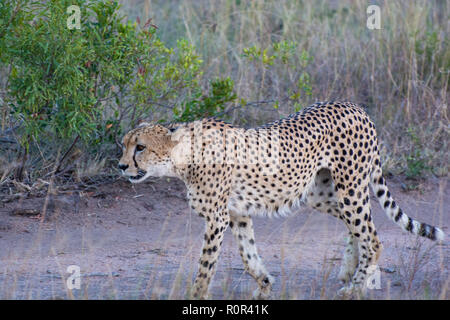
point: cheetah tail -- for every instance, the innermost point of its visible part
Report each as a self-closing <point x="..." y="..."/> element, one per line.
<point x="393" y="211"/>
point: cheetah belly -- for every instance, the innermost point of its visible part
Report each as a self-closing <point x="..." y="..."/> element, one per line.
<point x="250" y="201"/>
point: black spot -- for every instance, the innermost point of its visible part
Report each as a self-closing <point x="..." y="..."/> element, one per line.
<point x="357" y="222"/>
<point x="399" y="215"/>
<point x="409" y="226"/>
<point x="380" y="193"/>
<point x="242" y="224"/>
<point x="432" y="234"/>
<point x="386" y="204"/>
<point x="423" y="230"/>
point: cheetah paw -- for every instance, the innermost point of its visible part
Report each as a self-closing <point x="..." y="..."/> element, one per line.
<point x="262" y="294"/>
<point x="345" y="275"/>
<point x="351" y="292"/>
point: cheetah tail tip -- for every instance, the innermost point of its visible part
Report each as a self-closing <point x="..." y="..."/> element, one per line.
<point x="440" y="235"/>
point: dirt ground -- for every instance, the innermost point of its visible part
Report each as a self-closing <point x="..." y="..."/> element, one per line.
<point x="142" y="242"/>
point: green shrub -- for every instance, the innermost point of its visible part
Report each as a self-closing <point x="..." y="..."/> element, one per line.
<point x="221" y="93"/>
<point x="284" y="54"/>
<point x="416" y="159"/>
<point x="60" y="78"/>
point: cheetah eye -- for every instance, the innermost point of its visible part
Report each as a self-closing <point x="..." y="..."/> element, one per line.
<point x="140" y="147"/>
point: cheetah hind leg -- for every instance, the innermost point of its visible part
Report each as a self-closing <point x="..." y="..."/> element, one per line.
<point x="242" y="229"/>
<point x="322" y="197"/>
<point x="368" y="244"/>
<point x="350" y="260"/>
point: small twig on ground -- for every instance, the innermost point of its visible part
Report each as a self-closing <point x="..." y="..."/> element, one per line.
<point x="25" y="212"/>
<point x="20" y="169"/>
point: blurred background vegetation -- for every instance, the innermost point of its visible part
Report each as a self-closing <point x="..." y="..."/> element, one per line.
<point x="67" y="96"/>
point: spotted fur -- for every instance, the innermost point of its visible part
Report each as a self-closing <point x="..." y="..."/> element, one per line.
<point x="325" y="156"/>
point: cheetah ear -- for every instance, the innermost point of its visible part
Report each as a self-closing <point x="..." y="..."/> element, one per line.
<point x="176" y="134"/>
<point x="144" y="123"/>
<point x="181" y="150"/>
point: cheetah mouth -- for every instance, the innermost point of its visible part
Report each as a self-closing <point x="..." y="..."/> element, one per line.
<point x="141" y="174"/>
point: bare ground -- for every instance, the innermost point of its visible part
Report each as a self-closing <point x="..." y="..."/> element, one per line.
<point x="142" y="242"/>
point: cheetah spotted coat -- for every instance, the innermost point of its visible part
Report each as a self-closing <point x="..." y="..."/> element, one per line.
<point x="325" y="156"/>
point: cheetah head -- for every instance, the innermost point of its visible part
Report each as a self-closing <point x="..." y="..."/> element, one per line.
<point x="152" y="150"/>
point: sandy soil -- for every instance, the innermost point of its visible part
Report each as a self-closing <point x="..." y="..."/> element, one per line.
<point x="142" y="242"/>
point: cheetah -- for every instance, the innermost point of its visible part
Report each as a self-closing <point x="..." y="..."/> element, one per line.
<point x="325" y="156"/>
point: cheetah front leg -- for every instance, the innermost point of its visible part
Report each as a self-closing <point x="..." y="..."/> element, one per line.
<point x="242" y="229"/>
<point x="215" y="228"/>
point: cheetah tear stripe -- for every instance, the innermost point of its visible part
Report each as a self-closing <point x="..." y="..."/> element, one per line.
<point x="395" y="213"/>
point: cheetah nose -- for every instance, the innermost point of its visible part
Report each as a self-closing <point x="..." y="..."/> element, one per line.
<point x="123" y="166"/>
